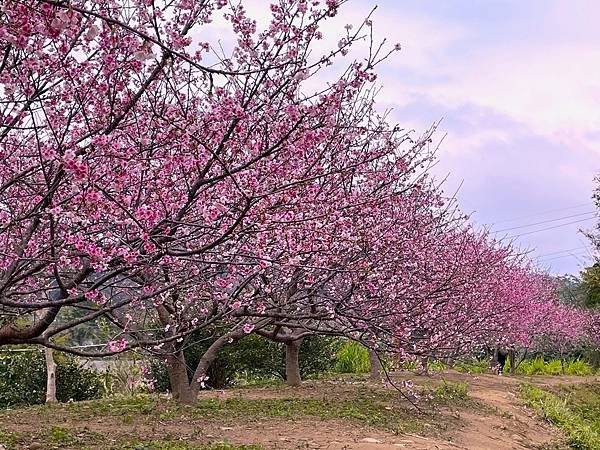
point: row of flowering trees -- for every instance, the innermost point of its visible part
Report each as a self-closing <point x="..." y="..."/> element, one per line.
<point x="148" y="183"/>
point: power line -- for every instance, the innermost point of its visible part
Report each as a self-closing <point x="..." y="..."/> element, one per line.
<point x="543" y="213"/>
<point x="546" y="221"/>
<point x="563" y="251"/>
<point x="550" y="228"/>
<point x="571" y="255"/>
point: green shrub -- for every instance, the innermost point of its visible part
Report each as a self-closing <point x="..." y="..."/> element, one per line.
<point x="535" y="366"/>
<point x="352" y="358"/>
<point x="23" y="378"/>
<point x="74" y="382"/>
<point x="127" y="375"/>
<point x="251" y="359"/>
<point x="578" y="367"/>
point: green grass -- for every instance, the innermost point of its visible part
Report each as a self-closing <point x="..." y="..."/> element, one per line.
<point x="365" y="405"/>
<point x="54" y="437"/>
<point x="9" y="439"/>
<point x="474" y="366"/>
<point x="537" y="366"/>
<point x="122" y="406"/>
<point x="367" y="408"/>
<point x="447" y="393"/>
<point x="60" y="436"/>
<point x="574" y="409"/>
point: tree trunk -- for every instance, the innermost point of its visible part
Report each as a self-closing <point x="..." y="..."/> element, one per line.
<point x="208" y="358"/>
<point x="51" y="376"/>
<point x="180" y="385"/>
<point x="375" y="373"/>
<point x="513" y="361"/>
<point x="292" y="363"/>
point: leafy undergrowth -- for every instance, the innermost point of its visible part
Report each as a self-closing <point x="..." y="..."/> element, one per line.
<point x="536" y="366"/>
<point x="570" y="367"/>
<point x="162" y="424"/>
<point x="575" y="409"/>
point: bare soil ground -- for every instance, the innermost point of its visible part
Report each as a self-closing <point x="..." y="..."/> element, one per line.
<point x="328" y="414"/>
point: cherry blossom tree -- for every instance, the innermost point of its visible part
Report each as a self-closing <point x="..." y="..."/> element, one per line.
<point x="145" y="186"/>
<point x="158" y="183"/>
<point x="130" y="165"/>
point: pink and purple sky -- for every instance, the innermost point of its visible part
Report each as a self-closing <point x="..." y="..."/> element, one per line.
<point x="517" y="87"/>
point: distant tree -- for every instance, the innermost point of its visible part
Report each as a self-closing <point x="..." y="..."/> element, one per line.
<point x="571" y="290"/>
<point x="590" y="285"/>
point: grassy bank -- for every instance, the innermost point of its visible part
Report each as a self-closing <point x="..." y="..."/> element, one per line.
<point x="575" y="409"/>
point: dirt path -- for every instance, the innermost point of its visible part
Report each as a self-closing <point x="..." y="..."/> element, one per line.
<point x="499" y="421"/>
<point x="509" y="425"/>
<point x="512" y="426"/>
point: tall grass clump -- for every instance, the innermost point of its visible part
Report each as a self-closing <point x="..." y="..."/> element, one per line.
<point x="538" y="366"/>
<point x="352" y="358"/>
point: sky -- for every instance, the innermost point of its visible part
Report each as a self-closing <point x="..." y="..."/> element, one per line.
<point x="516" y="85"/>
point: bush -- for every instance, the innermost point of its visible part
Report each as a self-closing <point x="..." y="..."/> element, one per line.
<point x="252" y="358"/>
<point x="126" y="375"/>
<point x="74" y="382"/>
<point x="23" y="378"/>
<point x="352" y="358"/>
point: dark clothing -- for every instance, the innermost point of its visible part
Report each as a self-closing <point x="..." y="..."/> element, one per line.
<point x="501" y="361"/>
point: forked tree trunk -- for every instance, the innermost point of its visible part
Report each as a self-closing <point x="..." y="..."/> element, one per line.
<point x="375" y="371"/>
<point x="209" y="357"/>
<point x="51" y="379"/>
<point x="180" y="385"/>
<point x="292" y="363"/>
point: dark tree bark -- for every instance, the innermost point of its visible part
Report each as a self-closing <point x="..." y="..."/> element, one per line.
<point x="424" y="361"/>
<point x="494" y="362"/>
